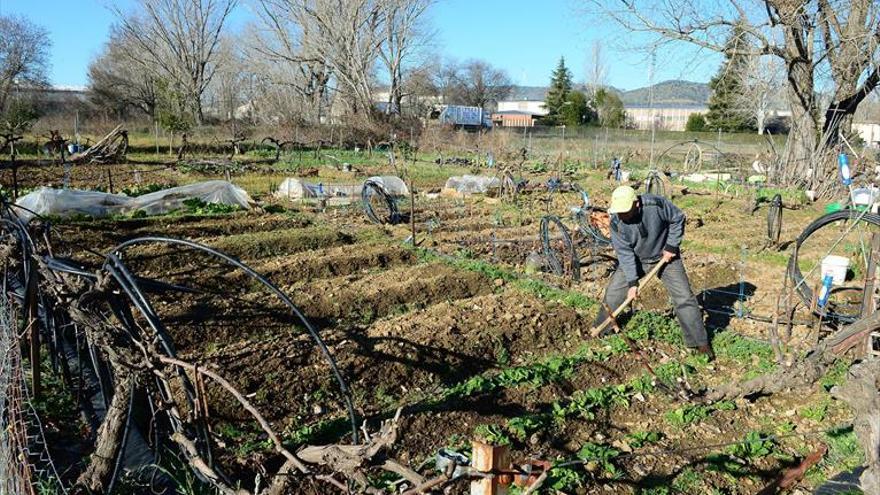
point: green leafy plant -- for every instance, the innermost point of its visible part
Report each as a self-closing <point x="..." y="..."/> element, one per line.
<point x="685" y="415"/>
<point x="639" y="439"/>
<point x="523" y="426"/>
<point x="492" y="434"/>
<point x="601" y="456"/>
<point x="754" y="446"/>
<point x="564" y="479"/>
<point x="816" y="413"/>
<point x="197" y="206"/>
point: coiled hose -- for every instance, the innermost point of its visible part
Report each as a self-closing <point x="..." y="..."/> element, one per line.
<point x="371" y="189"/>
<point x="794" y="272"/>
<point x="556" y="257"/>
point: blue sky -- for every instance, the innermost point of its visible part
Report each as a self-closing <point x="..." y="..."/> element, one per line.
<point x="526" y="38"/>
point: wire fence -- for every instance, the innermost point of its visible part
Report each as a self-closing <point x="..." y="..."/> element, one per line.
<point x="26" y="467"/>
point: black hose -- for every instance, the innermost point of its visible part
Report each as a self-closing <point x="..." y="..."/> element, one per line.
<point x="278" y="293"/>
<point x="654" y="185"/>
<point x="588" y="230"/>
<point x="556" y="257"/>
<point x="373" y="188"/>
<point x="794" y="272"/>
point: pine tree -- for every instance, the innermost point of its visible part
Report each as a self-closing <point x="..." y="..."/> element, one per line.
<point x="723" y="111"/>
<point x="560" y="87"/>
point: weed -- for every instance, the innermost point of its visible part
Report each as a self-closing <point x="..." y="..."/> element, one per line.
<point x="688" y="481"/>
<point x="643" y="384"/>
<point x="757" y="355"/>
<point x="686" y="415"/>
<point x="502" y="355"/>
<point x="458" y="443"/>
<point x="645" y="324"/>
<point x="523" y="426"/>
<point x="754" y="446"/>
<point x="564" y="479"/>
<point x="668" y="373"/>
<point x="639" y="439"/>
<point x="816" y="413"/>
<point x="492" y="434"/>
<point x="601" y="457"/>
<point x="617" y="344"/>
<point x="836" y="374"/>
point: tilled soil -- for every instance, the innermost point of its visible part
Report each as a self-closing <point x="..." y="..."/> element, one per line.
<point x="402" y="330"/>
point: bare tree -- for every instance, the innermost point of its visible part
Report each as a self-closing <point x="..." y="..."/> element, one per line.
<point x="475" y="83"/>
<point x="761" y="90"/>
<point x="405" y="33"/>
<point x="117" y="77"/>
<point x="179" y="40"/>
<point x="336" y="40"/>
<point x="24" y="55"/>
<point x="815" y="41"/>
<point x="597" y="69"/>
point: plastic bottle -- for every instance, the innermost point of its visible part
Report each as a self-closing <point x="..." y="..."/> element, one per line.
<point x="825" y="291"/>
<point x="845" y="174"/>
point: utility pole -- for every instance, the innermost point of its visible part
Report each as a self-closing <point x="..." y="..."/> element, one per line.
<point x="653" y="115"/>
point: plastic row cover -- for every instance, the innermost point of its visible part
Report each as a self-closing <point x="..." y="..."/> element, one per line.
<point x="472" y="184"/>
<point x="292" y="188"/>
<point x="69" y="202"/>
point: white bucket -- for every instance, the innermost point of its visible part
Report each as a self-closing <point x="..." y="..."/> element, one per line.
<point x="836" y="266"/>
<point x="864" y="196"/>
<point x="624" y="175"/>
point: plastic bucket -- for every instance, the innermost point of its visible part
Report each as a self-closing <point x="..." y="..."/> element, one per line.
<point x="864" y="196"/>
<point x="836" y="266"/>
<point x="624" y="175"/>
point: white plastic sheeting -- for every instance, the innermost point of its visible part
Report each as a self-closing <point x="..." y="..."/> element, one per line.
<point x="69" y="202"/>
<point x="472" y="184"/>
<point x="293" y="188"/>
<point x="393" y="185"/>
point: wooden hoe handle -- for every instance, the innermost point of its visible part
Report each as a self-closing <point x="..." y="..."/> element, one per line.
<point x="645" y="281"/>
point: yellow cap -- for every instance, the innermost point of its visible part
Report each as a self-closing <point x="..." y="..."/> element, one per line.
<point x="622" y="200"/>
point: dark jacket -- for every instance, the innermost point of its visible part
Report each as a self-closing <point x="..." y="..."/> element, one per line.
<point x="658" y="227"/>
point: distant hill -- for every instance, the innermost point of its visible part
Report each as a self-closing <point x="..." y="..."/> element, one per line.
<point x="667" y="92"/>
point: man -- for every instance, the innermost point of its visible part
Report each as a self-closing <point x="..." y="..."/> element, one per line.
<point x="646" y="230"/>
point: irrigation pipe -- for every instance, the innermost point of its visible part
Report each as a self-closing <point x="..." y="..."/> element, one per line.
<point x="278" y="293"/>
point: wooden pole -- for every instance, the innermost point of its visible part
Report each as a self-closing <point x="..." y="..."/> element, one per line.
<point x="412" y="212"/>
<point x="870" y="277"/>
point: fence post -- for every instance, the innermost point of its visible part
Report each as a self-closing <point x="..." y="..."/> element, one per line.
<point x="412" y="212"/>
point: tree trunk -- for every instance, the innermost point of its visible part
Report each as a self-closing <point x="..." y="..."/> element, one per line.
<point x="109" y="442"/>
<point x="860" y="392"/>
<point x="802" y="142"/>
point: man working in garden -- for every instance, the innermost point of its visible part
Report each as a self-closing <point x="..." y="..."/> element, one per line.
<point x="646" y="230"/>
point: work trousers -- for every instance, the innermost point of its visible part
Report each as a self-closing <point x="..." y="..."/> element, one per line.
<point x="674" y="277"/>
